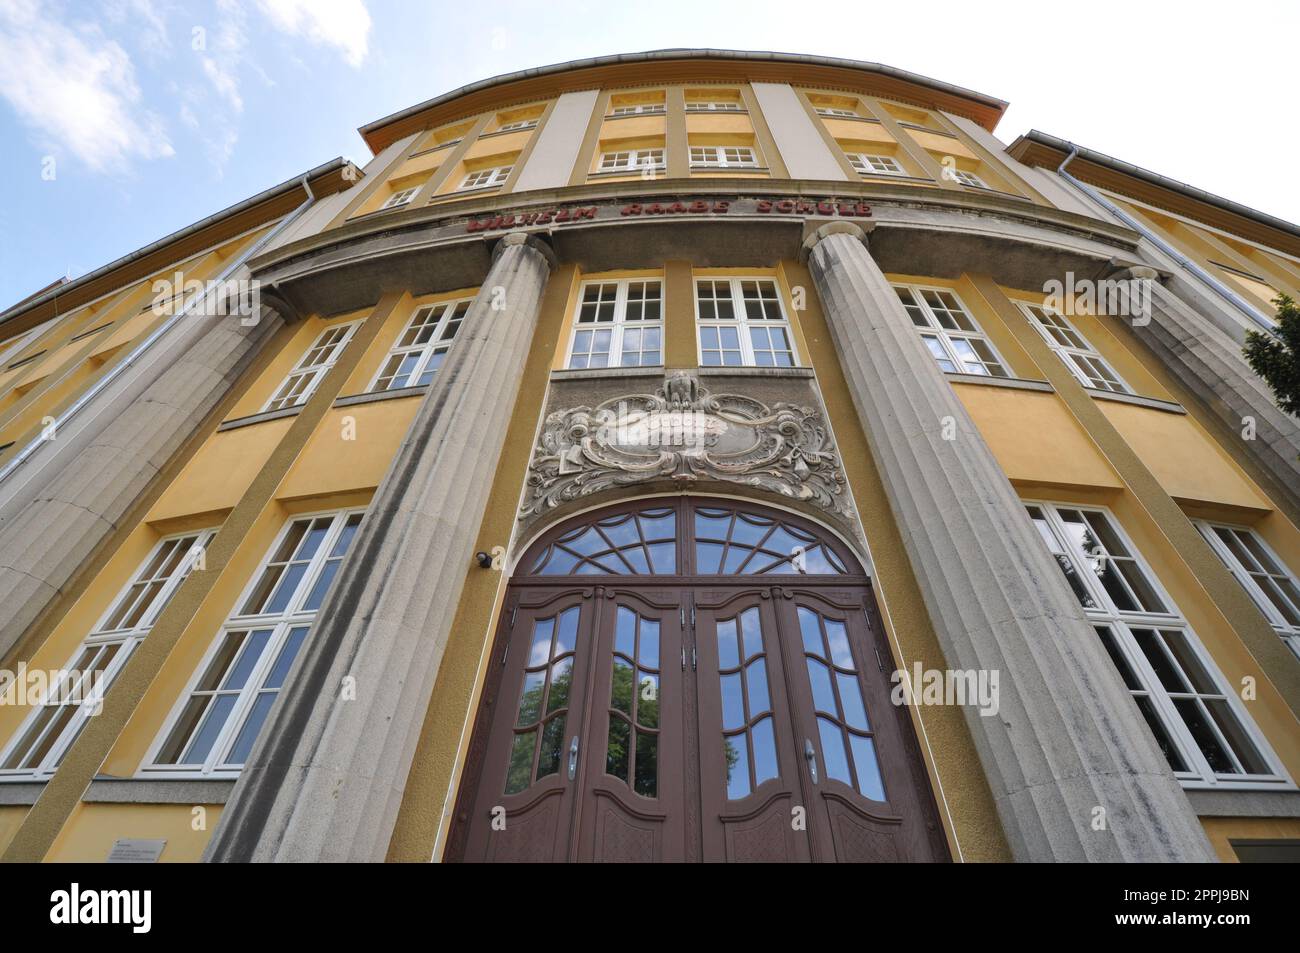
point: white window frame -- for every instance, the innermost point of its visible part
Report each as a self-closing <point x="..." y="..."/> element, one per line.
<point x="970" y="179"/>
<point x="947" y="337"/>
<point x="869" y="163"/>
<point x="497" y="176"/>
<point x="330" y="344"/>
<point x="281" y="624"/>
<point x="400" y="197"/>
<point x="619" y="326"/>
<point x="836" y="112"/>
<point x="742" y="322"/>
<point x="633" y="160"/>
<point x="714" y="106"/>
<point x="445" y="329"/>
<point x="124" y="638"/>
<point x="1289" y="632"/>
<point x="719" y="158"/>
<point x="1105" y="613"/>
<point x="517" y="125"/>
<point x="638" y="109"/>
<point x="1082" y="359"/>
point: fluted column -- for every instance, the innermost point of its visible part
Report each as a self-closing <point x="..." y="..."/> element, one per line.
<point x="1211" y="364"/>
<point x="325" y="780"/>
<point x="1067" y="738"/>
<point x="66" y="500"/>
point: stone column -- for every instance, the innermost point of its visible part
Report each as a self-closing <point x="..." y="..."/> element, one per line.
<point x="74" y="492"/>
<point x="1211" y="365"/>
<point x="325" y="779"/>
<point x="1067" y="738"/>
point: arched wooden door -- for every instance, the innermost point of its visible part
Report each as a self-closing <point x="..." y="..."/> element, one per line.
<point x="692" y="679"/>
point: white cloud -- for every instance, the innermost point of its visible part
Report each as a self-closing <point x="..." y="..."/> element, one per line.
<point x="221" y="68"/>
<point x="75" y="87"/>
<point x="146" y="23"/>
<point x="344" y="24"/>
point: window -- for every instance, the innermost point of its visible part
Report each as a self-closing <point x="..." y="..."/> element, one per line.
<point x="1263" y="576"/>
<point x="968" y="178"/>
<point x="714" y="106"/>
<point x="950" y="332"/>
<point x="632" y="160"/>
<point x="213" y="728"/>
<point x="1073" y="348"/>
<point x="619" y="323"/>
<point x="400" y="198"/>
<point x="486" y="178"/>
<point x="25" y="361"/>
<point x="311" y="367"/>
<point x="14" y="345"/>
<point x="723" y="157"/>
<point x="837" y="113"/>
<point x="638" y="109"/>
<point x="742" y="324"/>
<point x="422" y="346"/>
<point x="517" y="125"/>
<point x="1193" y="713"/>
<point x="875" y="165"/>
<point x="40" y="743"/>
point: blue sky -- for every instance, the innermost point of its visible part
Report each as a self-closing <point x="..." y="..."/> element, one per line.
<point x="123" y="120"/>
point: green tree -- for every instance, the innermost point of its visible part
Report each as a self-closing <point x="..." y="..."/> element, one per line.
<point x="1276" y="357"/>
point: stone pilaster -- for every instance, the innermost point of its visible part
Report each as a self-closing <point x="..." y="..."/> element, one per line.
<point x="1067" y="738"/>
<point x="325" y="780"/>
<point x="75" y="491"/>
<point x="1210" y="363"/>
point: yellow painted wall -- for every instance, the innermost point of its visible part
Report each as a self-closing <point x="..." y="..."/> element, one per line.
<point x="221" y="471"/>
<point x="11" y="816"/>
<point x="1035" y="438"/>
<point x="93" y="828"/>
<point x="1188" y="465"/>
<point x="1220" y="829"/>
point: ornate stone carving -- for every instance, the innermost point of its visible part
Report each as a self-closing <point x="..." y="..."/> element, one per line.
<point x="682" y="433"/>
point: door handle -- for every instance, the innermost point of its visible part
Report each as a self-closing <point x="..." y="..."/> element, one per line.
<point x="573" y="757"/>
<point x="809" y="755"/>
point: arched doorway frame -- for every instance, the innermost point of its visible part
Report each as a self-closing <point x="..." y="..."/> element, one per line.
<point x="523" y="545"/>
<point x="851" y="553"/>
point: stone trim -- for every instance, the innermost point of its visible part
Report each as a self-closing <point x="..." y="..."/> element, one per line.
<point x="1168" y="406"/>
<point x="20" y="792"/>
<point x="786" y="372"/>
<point x="1015" y="383"/>
<point x="104" y="790"/>
<point x="374" y="396"/>
<point x="237" y="422"/>
<point x="601" y="373"/>
<point x="1245" y="803"/>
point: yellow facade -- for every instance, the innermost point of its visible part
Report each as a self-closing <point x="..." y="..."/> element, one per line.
<point x="1154" y="462"/>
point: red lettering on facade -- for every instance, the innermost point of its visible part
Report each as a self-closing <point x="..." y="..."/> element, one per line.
<point x="827" y="207"/>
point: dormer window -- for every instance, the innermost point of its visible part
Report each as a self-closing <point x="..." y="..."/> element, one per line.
<point x="867" y="164"/>
<point x="400" y="198"/>
<point x="486" y="178"/>
<point x="723" y="157"/>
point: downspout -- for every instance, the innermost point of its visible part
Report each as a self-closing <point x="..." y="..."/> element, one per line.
<point x="139" y="350"/>
<point x="1182" y="260"/>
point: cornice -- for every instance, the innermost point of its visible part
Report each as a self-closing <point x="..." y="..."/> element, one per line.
<point x="657" y="67"/>
<point x="261" y="209"/>
<point x="1123" y="178"/>
<point x="912" y="197"/>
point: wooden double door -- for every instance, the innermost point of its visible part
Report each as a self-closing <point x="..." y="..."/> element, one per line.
<point x="693" y="717"/>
